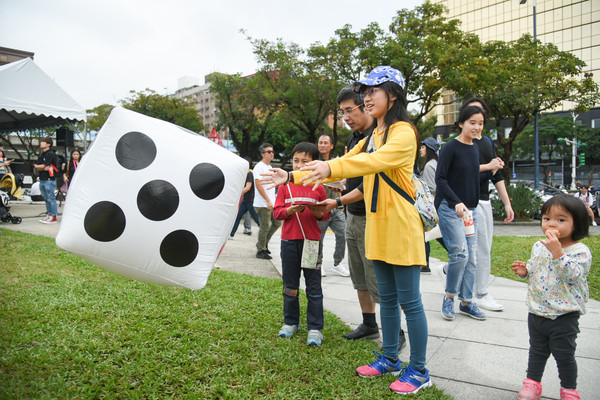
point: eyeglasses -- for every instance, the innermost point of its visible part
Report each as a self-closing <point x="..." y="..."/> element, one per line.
<point x="343" y="113"/>
<point x="268" y="151"/>
<point x="368" y="92"/>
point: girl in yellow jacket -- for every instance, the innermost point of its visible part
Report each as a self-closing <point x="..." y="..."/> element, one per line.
<point x="394" y="231"/>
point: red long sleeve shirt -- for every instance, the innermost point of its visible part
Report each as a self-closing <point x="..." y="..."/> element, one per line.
<point x="291" y="228"/>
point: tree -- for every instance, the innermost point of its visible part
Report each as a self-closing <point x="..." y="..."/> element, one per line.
<point x="591" y="137"/>
<point x="524" y="77"/>
<point x="97" y="116"/>
<point x="243" y="110"/>
<point x="551" y="128"/>
<point x="170" y="109"/>
<point x="426" y="47"/>
<point x="303" y="93"/>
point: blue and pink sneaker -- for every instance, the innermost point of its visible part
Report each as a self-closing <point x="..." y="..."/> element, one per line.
<point x="379" y="367"/>
<point x="411" y="381"/>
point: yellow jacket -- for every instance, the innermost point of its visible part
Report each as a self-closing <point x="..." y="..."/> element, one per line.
<point x="394" y="233"/>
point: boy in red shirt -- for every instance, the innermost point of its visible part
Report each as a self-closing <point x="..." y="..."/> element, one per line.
<point x="293" y="207"/>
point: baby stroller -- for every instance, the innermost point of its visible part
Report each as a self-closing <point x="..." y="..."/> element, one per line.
<point x="5" y="210"/>
<point x="10" y="188"/>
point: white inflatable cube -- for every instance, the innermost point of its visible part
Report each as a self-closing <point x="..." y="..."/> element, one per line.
<point x="152" y="201"/>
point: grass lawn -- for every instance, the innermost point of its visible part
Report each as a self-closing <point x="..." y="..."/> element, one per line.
<point x="508" y="249"/>
<point x="69" y="329"/>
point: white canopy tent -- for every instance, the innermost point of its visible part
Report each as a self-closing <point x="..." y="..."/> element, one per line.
<point x="31" y="99"/>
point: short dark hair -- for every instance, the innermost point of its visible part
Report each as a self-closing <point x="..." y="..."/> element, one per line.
<point x="47" y="140"/>
<point x="575" y="207"/>
<point x="328" y="136"/>
<point x="486" y="109"/>
<point x="308" y="148"/>
<point x="249" y="161"/>
<point x="348" y="93"/>
<point x="263" y="146"/>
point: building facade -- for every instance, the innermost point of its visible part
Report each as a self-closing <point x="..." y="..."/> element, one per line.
<point x="572" y="25"/>
<point x="204" y="101"/>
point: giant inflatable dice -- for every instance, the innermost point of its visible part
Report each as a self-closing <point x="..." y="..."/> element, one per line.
<point x="152" y="201"/>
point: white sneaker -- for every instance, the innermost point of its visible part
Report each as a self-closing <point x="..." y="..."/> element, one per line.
<point x="340" y="269"/>
<point x="594" y="223"/>
<point x="487" y="302"/>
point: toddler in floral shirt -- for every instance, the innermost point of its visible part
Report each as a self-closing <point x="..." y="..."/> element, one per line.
<point x="556" y="294"/>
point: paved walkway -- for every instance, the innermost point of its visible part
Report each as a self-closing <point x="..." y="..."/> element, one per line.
<point x="468" y="359"/>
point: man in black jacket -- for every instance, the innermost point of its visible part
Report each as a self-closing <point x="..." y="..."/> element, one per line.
<point x="46" y="164"/>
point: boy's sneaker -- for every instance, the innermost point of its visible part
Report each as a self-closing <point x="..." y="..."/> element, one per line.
<point x="569" y="394"/>
<point x="247" y="232"/>
<point x="531" y="390"/>
<point x="411" y="381"/>
<point x="287" y="331"/>
<point x="379" y="367"/>
<point x="314" y="338"/>
<point x="43" y="220"/>
<point x="448" y="308"/>
<point x="340" y="269"/>
<point x="363" y="332"/>
<point x="50" y="220"/>
<point x="472" y="311"/>
<point x="487" y="302"/>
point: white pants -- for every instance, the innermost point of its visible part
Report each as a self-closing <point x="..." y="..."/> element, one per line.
<point x="485" y="235"/>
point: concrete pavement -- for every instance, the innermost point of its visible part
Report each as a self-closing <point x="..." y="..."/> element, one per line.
<point x="468" y="359"/>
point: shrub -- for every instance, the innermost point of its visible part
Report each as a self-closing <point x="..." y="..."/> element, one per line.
<point x="525" y="202"/>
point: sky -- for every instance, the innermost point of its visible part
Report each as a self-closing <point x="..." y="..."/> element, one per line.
<point x="98" y="51"/>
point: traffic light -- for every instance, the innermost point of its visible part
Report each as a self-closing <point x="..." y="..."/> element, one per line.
<point x="581" y="159"/>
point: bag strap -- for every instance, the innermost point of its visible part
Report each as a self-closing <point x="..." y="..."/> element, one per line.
<point x="299" y="223"/>
<point x="393" y="185"/>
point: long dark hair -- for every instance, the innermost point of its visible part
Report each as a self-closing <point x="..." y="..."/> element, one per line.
<point x="429" y="155"/>
<point x="396" y="113"/>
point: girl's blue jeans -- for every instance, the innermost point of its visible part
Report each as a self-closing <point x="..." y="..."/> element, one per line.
<point x="399" y="285"/>
<point x="462" y="250"/>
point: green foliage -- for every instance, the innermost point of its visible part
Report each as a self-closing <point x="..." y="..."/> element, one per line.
<point x="426" y="47"/>
<point x="508" y="249"/>
<point x="524" y="77"/>
<point x="177" y="111"/>
<point x="525" y="203"/>
<point x="97" y="116"/>
<point x="73" y="330"/>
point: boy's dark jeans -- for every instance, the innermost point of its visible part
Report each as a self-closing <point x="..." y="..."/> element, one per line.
<point x="291" y="255"/>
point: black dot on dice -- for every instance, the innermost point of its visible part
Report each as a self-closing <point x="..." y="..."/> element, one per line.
<point x="207" y="181"/>
<point x="104" y="221"/>
<point x="135" y="151"/>
<point x="158" y="200"/>
<point x="179" y="248"/>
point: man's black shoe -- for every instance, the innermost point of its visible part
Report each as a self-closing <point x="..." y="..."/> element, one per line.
<point x="268" y="251"/>
<point x="263" y="255"/>
<point x="363" y="332"/>
<point x="426" y="270"/>
<point x="401" y="341"/>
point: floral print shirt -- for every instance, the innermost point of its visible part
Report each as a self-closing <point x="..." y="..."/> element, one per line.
<point x="557" y="287"/>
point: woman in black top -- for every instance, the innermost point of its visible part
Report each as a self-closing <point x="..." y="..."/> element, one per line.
<point x="457" y="192"/>
<point x="72" y="166"/>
